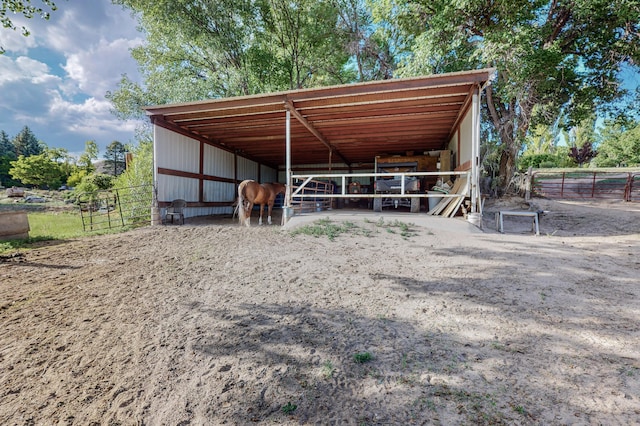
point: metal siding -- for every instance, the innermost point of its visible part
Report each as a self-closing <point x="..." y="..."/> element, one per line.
<point x="267" y="174"/>
<point x="218" y="191"/>
<point x="247" y="169"/>
<point x="177" y="152"/>
<point x="466" y="129"/>
<point x="218" y="162"/>
<point x="174" y="187"/>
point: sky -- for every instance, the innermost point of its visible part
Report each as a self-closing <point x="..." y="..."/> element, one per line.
<point x="55" y="80"/>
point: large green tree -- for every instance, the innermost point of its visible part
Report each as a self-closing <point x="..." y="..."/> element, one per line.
<point x="26" y="143"/>
<point x="39" y="170"/>
<point x="7" y="154"/>
<point x="115" y="157"/>
<point x="207" y="49"/>
<point x="619" y="145"/>
<point x="550" y="55"/>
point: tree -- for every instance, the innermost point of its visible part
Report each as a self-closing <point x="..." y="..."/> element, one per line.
<point x="25" y="143"/>
<point x="26" y="9"/>
<point x="308" y="46"/>
<point x="550" y="55"/>
<point x="39" y="170"/>
<point x="89" y="155"/>
<point x="7" y="154"/>
<point x="619" y="145"/>
<point x="198" y="50"/>
<point x="114" y="156"/>
<point x="582" y="155"/>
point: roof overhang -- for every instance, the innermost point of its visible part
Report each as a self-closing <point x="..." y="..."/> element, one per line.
<point x="349" y="123"/>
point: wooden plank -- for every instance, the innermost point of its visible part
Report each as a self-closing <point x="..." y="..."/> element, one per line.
<point x="445" y="201"/>
<point x="453" y="207"/>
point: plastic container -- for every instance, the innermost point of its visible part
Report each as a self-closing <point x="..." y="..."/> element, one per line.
<point x="433" y="201"/>
<point x="475" y="219"/>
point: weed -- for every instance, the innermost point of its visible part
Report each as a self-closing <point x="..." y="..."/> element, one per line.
<point x="289" y="408"/>
<point x="520" y="410"/>
<point x="327" y="369"/>
<point x="362" y="357"/>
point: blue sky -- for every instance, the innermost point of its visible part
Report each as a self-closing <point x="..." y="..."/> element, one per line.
<point x="55" y="80"/>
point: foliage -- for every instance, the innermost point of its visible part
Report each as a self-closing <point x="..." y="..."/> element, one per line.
<point x="92" y="183"/>
<point x="289" y="408"/>
<point x="76" y="177"/>
<point x="25" y="8"/>
<point x="89" y="155"/>
<point x="197" y="50"/>
<point x="39" y="170"/>
<point x="537" y="161"/>
<point x="7" y="149"/>
<point x="140" y="169"/>
<point x="136" y="183"/>
<point x="26" y="143"/>
<point x="362" y="357"/>
<point x="114" y="156"/>
<point x="548" y="55"/>
<point x="583" y="154"/>
<point x="619" y="145"/>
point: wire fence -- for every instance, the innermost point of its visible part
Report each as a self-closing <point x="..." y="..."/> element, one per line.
<point x="116" y="208"/>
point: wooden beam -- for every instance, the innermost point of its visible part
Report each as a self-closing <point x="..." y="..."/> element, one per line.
<point x="289" y="106"/>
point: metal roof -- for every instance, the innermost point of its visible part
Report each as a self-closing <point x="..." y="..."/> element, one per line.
<point x="355" y="122"/>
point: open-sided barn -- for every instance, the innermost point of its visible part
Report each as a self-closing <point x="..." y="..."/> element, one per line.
<point x="202" y="150"/>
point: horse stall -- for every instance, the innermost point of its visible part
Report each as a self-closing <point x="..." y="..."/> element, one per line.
<point x="323" y="142"/>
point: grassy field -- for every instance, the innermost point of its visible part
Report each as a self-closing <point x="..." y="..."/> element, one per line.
<point x="50" y="226"/>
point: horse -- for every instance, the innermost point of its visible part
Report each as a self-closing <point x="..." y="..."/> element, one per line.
<point x="251" y="192"/>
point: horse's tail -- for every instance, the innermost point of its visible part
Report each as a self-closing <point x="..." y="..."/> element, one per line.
<point x="242" y="211"/>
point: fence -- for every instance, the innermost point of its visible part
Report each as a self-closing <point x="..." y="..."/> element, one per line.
<point x="115" y="208"/>
<point x="587" y="184"/>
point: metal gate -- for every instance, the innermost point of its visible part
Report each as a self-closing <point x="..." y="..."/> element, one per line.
<point x="587" y="184"/>
<point x="116" y="208"/>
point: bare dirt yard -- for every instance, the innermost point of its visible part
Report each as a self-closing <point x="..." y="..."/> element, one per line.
<point x="436" y="322"/>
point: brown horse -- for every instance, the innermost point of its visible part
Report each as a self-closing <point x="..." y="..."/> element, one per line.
<point x="251" y="192"/>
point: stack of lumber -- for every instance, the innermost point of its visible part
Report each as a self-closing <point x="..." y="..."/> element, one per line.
<point x="448" y="206"/>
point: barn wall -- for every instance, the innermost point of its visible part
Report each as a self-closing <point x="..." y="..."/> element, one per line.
<point x="464" y="132"/>
<point x="178" y="153"/>
<point x="466" y="138"/>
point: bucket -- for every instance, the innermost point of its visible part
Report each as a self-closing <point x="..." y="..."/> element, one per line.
<point x="475" y="219"/>
<point x="433" y="201"/>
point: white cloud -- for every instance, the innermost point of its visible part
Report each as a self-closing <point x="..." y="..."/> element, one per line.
<point x="24" y="69"/>
<point x="98" y="69"/>
<point x="55" y="80"/>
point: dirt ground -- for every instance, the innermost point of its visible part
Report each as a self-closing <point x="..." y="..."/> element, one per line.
<point x="211" y="323"/>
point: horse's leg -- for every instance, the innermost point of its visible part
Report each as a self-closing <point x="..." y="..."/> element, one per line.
<point x="269" y="212"/>
<point x="250" y="209"/>
<point x="261" y="210"/>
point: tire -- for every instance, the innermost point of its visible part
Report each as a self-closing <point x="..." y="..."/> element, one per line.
<point x="415" y="205"/>
<point x="377" y="204"/>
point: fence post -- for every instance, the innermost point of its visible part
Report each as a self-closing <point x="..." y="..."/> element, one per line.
<point x="529" y="184"/>
<point x="593" y="185"/>
<point x="562" y="186"/>
<point x="628" y="187"/>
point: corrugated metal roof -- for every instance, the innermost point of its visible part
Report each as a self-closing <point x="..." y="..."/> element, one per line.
<point x="356" y="121"/>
